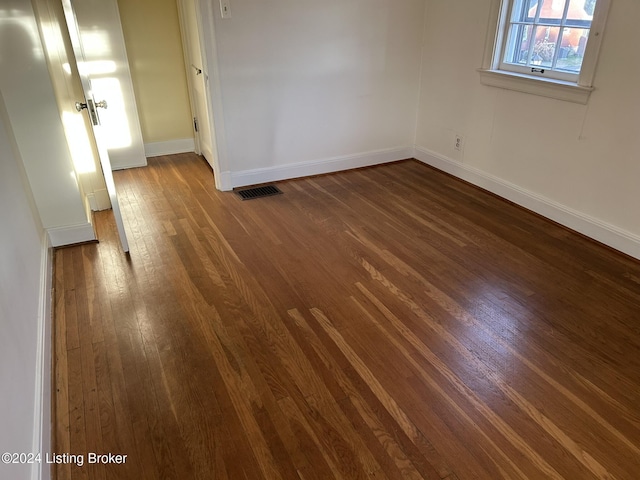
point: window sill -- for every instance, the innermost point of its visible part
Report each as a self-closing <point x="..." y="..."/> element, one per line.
<point x="558" y="89"/>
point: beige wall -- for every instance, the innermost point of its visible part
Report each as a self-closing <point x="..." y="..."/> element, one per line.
<point x="154" y="47"/>
<point x="580" y="159"/>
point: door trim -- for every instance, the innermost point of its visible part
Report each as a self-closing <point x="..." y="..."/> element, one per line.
<point x="42" y="424"/>
<point x="187" y="69"/>
<point x="210" y="66"/>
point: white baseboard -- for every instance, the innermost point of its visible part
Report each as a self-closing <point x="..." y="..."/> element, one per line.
<point x="99" y="200"/>
<point x="42" y="405"/>
<point x="170" y="147"/>
<point x="129" y="165"/>
<point x="603" y="232"/>
<point x="61" y="236"/>
<point x="225" y="182"/>
<point x="317" y="167"/>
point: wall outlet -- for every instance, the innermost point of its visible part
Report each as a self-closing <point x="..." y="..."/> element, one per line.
<point x="458" y="142"/>
<point x="225" y="8"/>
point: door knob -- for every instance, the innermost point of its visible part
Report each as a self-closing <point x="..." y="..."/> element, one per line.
<point x="81" y="106"/>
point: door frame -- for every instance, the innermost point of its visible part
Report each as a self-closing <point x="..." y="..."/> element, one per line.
<point x="205" y="17"/>
<point x="186" y="54"/>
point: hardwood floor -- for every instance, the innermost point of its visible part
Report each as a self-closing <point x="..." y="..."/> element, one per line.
<point x="390" y="322"/>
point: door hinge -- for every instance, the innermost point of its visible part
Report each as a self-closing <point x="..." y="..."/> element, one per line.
<point x="195" y="124"/>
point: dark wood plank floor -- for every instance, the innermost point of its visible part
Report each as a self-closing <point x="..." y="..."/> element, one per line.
<point x="390" y="322"/>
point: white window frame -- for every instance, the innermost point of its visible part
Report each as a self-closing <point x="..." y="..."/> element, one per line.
<point x="573" y="87"/>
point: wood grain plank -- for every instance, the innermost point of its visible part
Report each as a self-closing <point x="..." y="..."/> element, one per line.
<point x="386" y="322"/>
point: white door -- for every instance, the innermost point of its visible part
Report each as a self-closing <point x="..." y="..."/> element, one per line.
<point x="105" y="61"/>
<point x="198" y="79"/>
<point x="90" y="104"/>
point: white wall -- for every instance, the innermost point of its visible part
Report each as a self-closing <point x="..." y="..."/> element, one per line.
<point x="317" y="81"/>
<point x="577" y="163"/>
<point x="37" y="126"/>
<point x="21" y="257"/>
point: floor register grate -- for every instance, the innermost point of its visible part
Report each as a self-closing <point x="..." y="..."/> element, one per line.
<point x="258" y="192"/>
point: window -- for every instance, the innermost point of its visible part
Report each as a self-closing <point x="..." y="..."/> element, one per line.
<point x="546" y="47"/>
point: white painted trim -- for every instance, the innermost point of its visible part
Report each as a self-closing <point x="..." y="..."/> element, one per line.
<point x="102" y="199"/>
<point x="187" y="69"/>
<point x="61" y="236"/>
<point x="169" y="147"/>
<point x="99" y="200"/>
<point x="603" y="232"/>
<point x="545" y="87"/>
<point x="578" y="92"/>
<point x="225" y="181"/>
<point x="317" y="167"/>
<point x="125" y="166"/>
<point x="42" y="403"/>
<point x="209" y="43"/>
<point x="92" y="203"/>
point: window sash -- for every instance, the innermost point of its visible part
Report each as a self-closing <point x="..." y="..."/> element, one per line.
<point x="511" y="19"/>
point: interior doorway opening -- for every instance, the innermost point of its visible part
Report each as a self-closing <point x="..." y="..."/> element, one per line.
<point x="197" y="73"/>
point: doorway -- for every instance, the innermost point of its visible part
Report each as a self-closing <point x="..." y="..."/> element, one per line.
<point x="198" y="82"/>
<point x="196" y="78"/>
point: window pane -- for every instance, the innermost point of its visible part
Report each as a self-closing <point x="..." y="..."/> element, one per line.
<point x="552" y="11"/>
<point x="544" y="47"/>
<point x="590" y="6"/>
<point x="518" y="44"/>
<point x="579" y="13"/>
<point x="548" y="38"/>
<point x="524" y="10"/>
<point x="571" y="54"/>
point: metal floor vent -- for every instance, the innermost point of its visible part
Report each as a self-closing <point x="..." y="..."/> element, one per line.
<point x="258" y="192"/>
